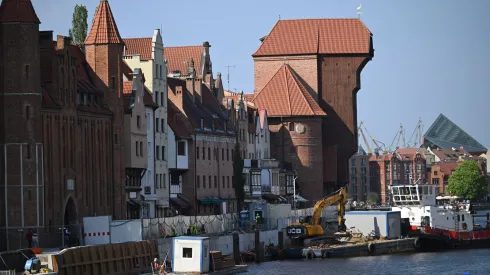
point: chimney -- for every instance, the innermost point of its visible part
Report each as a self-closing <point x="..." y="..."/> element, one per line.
<point x="206" y="46"/>
<point x="62" y="42"/>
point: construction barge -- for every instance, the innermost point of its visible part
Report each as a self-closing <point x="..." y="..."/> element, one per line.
<point x="375" y="248"/>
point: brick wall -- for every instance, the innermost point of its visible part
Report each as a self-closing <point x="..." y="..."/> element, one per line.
<point x="302" y="150"/>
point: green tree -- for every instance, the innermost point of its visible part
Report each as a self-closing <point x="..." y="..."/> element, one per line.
<point x="238" y="179"/>
<point x="468" y="182"/>
<point x="78" y="31"/>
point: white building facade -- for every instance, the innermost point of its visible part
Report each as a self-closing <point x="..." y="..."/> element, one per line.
<point x="154" y="68"/>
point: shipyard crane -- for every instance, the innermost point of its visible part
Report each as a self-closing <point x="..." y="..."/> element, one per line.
<point x="416" y="138"/>
<point x="364" y="137"/>
<point x="378" y="148"/>
<point x="400" y="136"/>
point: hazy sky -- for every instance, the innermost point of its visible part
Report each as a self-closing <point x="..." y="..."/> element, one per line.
<point x="430" y="57"/>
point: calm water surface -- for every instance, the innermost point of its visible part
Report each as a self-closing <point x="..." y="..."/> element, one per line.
<point x="476" y="262"/>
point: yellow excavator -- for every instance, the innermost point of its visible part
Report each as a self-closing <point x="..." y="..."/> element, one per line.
<point x="314" y="228"/>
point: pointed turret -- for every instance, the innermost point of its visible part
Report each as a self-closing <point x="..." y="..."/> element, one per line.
<point x="16" y="11"/>
<point x="104" y="29"/>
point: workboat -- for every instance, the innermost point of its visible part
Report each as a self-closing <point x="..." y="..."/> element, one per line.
<point x="439" y="222"/>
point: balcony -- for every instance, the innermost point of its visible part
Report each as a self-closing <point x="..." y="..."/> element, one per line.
<point x="256" y="190"/>
<point x="175" y="185"/>
<point x="182" y="155"/>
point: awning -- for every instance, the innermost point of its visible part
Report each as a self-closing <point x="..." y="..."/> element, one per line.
<point x="150" y="197"/>
<point x="133" y="203"/>
<point x="211" y="200"/>
<point x="179" y="203"/>
<point x="300" y="199"/>
<point x="270" y="197"/>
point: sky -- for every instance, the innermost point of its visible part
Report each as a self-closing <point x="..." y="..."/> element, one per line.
<point x="431" y="57"/>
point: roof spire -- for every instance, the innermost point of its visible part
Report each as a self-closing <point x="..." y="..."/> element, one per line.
<point x="16" y="11"/>
<point x="104" y="29"/>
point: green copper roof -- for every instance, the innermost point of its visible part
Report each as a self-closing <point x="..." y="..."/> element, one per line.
<point x="444" y="133"/>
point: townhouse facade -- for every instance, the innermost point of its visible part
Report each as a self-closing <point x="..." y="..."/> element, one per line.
<point x="403" y="166"/>
<point x="208" y="183"/>
<point x="61" y="132"/>
<point x="148" y="54"/>
<point x="360" y="176"/>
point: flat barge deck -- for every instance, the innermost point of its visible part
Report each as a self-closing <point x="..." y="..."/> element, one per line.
<point x="372" y="248"/>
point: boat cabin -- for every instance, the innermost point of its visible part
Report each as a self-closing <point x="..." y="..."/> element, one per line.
<point x="414" y="195"/>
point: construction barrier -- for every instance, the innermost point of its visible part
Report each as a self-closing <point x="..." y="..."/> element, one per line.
<point x="120" y="258"/>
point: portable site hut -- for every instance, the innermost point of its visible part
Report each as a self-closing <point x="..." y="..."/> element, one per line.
<point x="379" y="223"/>
<point x="190" y="254"/>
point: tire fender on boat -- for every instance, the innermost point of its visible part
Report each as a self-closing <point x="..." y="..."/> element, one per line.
<point x="416" y="243"/>
<point x="372" y="248"/>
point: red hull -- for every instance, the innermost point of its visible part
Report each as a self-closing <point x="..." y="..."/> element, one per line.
<point x="463" y="235"/>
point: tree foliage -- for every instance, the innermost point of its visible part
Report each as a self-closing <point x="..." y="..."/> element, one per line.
<point x="238" y="179"/>
<point x="468" y="182"/>
<point x="78" y="31"/>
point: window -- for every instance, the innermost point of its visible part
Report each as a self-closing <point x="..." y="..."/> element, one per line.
<point x="164" y="181"/>
<point x="163" y="153"/>
<point x="158" y="152"/>
<point x="203" y="153"/>
<point x="137" y="148"/>
<point x="163" y="125"/>
<point x="209" y="153"/>
<point x="215" y="182"/>
<point x="197" y="152"/>
<point x="161" y="74"/>
<point x="181" y="148"/>
<point x="141" y="148"/>
<point x="162" y="99"/>
<point x="227" y="154"/>
<point x="157" y="125"/>
<point x="291" y="126"/>
<point x="26" y="72"/>
<point x="186" y="252"/>
<point x="222" y="154"/>
<point x="435" y="173"/>
<point x="29" y="195"/>
<point x="138" y="121"/>
<point x="203" y="181"/>
<point x="156" y="97"/>
<point x="198" y="182"/>
<point x="209" y="178"/>
<point x="228" y="181"/>
<point x="28" y="112"/>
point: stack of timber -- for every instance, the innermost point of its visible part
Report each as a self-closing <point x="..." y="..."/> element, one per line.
<point x="220" y="261"/>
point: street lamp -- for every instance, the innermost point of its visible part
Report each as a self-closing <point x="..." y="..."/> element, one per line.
<point x="294" y="193"/>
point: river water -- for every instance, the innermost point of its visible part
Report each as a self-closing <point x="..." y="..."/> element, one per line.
<point x="475" y="262"/>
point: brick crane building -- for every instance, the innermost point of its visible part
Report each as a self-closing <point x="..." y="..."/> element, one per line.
<point x="307" y="74"/>
<point x="60" y="126"/>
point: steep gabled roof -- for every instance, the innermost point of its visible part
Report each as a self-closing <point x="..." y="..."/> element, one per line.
<point x="141" y="46"/>
<point x="179" y="58"/>
<point x="18" y="11"/>
<point x="317" y="36"/>
<point x="285" y="95"/>
<point x="444" y="133"/>
<point x="104" y="29"/>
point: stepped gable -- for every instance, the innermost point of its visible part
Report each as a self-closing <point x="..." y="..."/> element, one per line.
<point x="104" y="29"/>
<point x="317" y="36"/>
<point x="444" y="133"/>
<point x="18" y="11"/>
<point x="285" y="95"/>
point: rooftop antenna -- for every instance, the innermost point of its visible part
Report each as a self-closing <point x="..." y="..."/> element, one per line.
<point x="228" y="67"/>
<point x="359" y="12"/>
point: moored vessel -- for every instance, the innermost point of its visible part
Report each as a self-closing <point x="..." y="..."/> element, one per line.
<point x="439" y="222"/>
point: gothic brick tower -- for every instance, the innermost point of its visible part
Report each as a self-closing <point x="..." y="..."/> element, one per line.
<point x="21" y="147"/>
<point x="104" y="51"/>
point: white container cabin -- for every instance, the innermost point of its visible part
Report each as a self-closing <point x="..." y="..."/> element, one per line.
<point x="190" y="255"/>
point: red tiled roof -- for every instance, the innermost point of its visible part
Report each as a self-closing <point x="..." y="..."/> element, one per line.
<point x="285" y="95"/>
<point x="141" y="46"/>
<point x="447" y="167"/>
<point x="317" y="36"/>
<point x="18" y="11"/>
<point x="104" y="29"/>
<point x="179" y="58"/>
